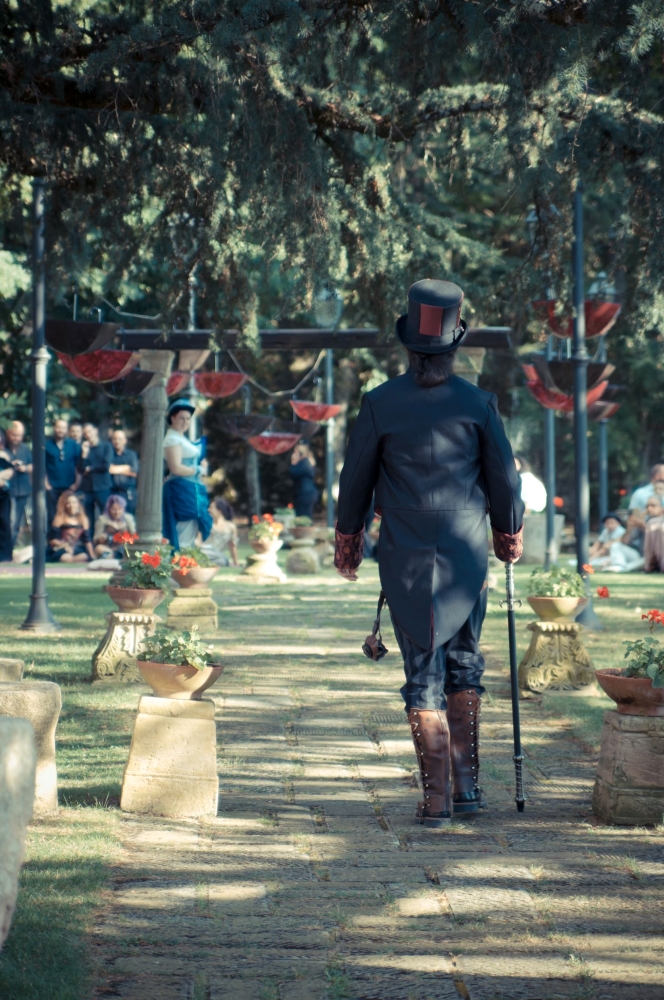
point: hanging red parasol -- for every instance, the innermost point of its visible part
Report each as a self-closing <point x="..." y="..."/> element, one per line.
<point x="315" y="411"/>
<point x="217" y="385"/>
<point x="273" y="443"/>
<point x="101" y="366"/>
<point x="551" y="399"/>
<point x="177" y="382"/>
<point x="600" y="317"/>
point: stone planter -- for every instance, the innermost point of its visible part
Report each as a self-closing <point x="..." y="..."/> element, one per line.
<point x="183" y="683"/>
<point x="557" y="609"/>
<point x="134" y="599"/>
<point x="632" y="695"/>
<point x="198" y="576"/>
<point x="304" y="531"/>
<point x="261" y="545"/>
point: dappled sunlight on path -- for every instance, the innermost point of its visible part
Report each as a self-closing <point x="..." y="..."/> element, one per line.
<point x="315" y="882"/>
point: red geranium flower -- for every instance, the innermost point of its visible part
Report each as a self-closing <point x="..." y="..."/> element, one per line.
<point x="558" y="502"/>
<point x="603" y="592"/>
<point x="255" y="519"/>
<point x="587" y="568"/>
<point x="149" y="560"/>
<point x="654" y="617"/>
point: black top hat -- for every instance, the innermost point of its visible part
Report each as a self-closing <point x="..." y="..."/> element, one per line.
<point x="433" y="324"/>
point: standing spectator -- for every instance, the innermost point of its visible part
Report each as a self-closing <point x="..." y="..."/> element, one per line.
<point x="20" y="485"/>
<point x="641" y="495"/>
<point x="76" y="431"/>
<point x="94" y="465"/>
<point x="62" y="455"/>
<point x="124" y="469"/>
<point x="6" y="474"/>
<point x="302" y="468"/>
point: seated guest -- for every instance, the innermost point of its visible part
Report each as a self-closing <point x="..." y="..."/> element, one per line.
<point x="533" y="490"/>
<point x="610" y="552"/>
<point x="656" y="485"/>
<point x="6" y="475"/>
<point x="115" y="519"/>
<point x="124" y="469"/>
<point x="61" y="454"/>
<point x="94" y="465"/>
<point x="653" y="541"/>
<point x="637" y="521"/>
<point x="69" y="534"/>
<point x="223" y="535"/>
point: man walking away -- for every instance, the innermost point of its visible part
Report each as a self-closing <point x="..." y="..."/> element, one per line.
<point x="93" y="465"/>
<point x="434" y="449"/>
<point x="62" y="455"/>
<point x="20" y="485"/>
<point x="124" y="469"/>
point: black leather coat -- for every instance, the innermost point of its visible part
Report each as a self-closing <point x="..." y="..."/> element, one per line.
<point x="438" y="460"/>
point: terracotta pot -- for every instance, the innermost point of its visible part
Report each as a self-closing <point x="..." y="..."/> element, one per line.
<point x="266" y="546"/>
<point x="632" y="695"/>
<point x="170" y="680"/>
<point x="134" y="599"/>
<point x="309" y="531"/>
<point x="557" y="609"/>
<point x="197" y="576"/>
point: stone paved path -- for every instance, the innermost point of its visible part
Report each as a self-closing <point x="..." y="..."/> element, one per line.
<point x="314" y="881"/>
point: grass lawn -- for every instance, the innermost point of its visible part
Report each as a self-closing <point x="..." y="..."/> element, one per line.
<point x="69" y="857"/>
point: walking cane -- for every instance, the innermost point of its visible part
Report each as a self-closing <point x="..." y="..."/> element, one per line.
<point x="514" y="683"/>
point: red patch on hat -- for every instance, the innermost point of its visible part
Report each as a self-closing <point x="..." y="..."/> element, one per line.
<point x="431" y="321"/>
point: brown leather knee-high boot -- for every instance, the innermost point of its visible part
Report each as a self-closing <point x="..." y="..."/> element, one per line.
<point x="431" y="737"/>
<point x="463" y="716"/>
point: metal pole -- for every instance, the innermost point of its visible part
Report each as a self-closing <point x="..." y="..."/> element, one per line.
<point x="252" y="468"/>
<point x="193" y="394"/>
<point x="39" y="618"/>
<point x="329" y="436"/>
<point x="551" y="553"/>
<point x="514" y="685"/>
<point x="580" y="360"/>
<point x="603" y="449"/>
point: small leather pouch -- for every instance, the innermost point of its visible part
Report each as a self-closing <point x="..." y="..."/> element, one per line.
<point x="373" y="644"/>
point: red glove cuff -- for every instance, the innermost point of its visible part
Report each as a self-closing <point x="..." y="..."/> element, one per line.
<point x="348" y="550"/>
<point x="508" y="548"/>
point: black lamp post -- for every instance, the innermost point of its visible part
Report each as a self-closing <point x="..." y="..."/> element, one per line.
<point x="39" y="618"/>
<point x="580" y="360"/>
<point x="329" y="307"/>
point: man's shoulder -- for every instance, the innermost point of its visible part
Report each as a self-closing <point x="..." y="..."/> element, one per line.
<point x="470" y="391"/>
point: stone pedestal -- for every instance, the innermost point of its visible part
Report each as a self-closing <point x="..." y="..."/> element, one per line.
<point x="39" y="702"/>
<point x="303" y="558"/>
<point x="556" y="658"/>
<point x="629" y="787"/>
<point x="18" y="759"/>
<point x="534" y="538"/>
<point x="114" y="659"/>
<point x="11" y="670"/>
<point x="192" y="606"/>
<point x="263" y="566"/>
<point x="172" y="766"/>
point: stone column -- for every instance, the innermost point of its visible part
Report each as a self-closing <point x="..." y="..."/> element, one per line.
<point x="151" y="472"/>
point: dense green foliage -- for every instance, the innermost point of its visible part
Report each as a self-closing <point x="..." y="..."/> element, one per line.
<point x="556" y="582"/>
<point x="258" y="150"/>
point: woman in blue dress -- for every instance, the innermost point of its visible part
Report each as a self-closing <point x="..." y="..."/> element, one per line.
<point x="302" y="468"/>
<point x="185" y="496"/>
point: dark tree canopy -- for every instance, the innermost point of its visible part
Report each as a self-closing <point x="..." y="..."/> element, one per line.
<point x="265" y="147"/>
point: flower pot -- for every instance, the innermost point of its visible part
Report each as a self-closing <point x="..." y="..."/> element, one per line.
<point x="557" y="609"/>
<point x="304" y="531"/>
<point x="266" y="545"/>
<point x="197" y="576"/>
<point x="134" y="599"/>
<point x="632" y="695"/>
<point x="170" y="680"/>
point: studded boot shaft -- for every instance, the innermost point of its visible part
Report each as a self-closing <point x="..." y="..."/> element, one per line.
<point x="431" y="738"/>
<point x="463" y="716"/>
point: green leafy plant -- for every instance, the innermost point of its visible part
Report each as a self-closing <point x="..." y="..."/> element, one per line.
<point x="647" y="655"/>
<point x="148" y="570"/>
<point x="179" y="648"/>
<point x="265" y="528"/>
<point x="556" y="582"/>
<point x="194" y="557"/>
<point x="303" y="522"/>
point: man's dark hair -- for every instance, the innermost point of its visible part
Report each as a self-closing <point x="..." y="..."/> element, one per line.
<point x="431" y="369"/>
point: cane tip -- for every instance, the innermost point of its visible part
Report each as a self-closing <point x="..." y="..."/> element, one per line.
<point x="520" y="806"/>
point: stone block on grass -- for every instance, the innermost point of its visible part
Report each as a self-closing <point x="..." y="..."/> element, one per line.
<point x="629" y="787"/>
<point x="18" y="761"/>
<point x="39" y="702"/>
<point x="172" y="765"/>
<point x="11" y="670"/>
